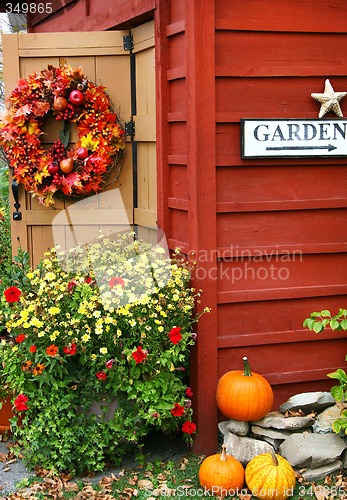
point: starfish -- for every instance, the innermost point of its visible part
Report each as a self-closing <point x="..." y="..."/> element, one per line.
<point x="329" y="100"/>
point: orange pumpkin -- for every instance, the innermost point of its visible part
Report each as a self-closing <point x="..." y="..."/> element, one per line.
<point x="270" y="477"/>
<point x="243" y="395"/>
<point x="222" y="474"/>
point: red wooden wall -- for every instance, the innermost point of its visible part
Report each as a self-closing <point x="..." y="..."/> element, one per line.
<point x="268" y="235"/>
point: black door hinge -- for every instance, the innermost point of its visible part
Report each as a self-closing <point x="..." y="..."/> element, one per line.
<point x="128" y="42"/>
<point x="130" y="128"/>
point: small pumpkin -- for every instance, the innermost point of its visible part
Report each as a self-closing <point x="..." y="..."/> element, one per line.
<point x="243" y="395"/>
<point x="270" y="477"/>
<point x="222" y="474"/>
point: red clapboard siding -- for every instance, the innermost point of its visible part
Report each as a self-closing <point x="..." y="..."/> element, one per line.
<point x="247" y="323"/>
<point x="272" y="55"/>
<point x="278" y="187"/>
<point x="260" y="97"/>
<point x="296" y="15"/>
<point x="269" y="277"/>
<point x="283" y="231"/>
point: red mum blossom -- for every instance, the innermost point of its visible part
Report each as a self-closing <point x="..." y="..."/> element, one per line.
<point x="70" y="350"/>
<point x="101" y="375"/>
<point x="189" y="392"/>
<point x="88" y="280"/>
<point x="178" y="410"/>
<point x="32" y="348"/>
<point x="114" y="281"/>
<point x="139" y="355"/>
<point x="188" y="427"/>
<point x="52" y="350"/>
<point x="175" y="334"/>
<point x="20" y="338"/>
<point x="12" y="294"/>
<point x="21" y="402"/>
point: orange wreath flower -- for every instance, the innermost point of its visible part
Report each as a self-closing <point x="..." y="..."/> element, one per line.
<point x="69" y="97"/>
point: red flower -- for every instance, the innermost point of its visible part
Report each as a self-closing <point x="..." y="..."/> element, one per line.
<point x="71" y="285"/>
<point x="20" y="338"/>
<point x="70" y="349"/>
<point x="188" y="427"/>
<point x="101" y="375"/>
<point x="139" y="355"/>
<point x="21" y="402"/>
<point x="12" y="294"/>
<point x="178" y="410"/>
<point x="114" y="281"/>
<point x="109" y="363"/>
<point x="189" y="392"/>
<point x="32" y="348"/>
<point x="175" y="334"/>
<point x="88" y="280"/>
<point x="52" y="350"/>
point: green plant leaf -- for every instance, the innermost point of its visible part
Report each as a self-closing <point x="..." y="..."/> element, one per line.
<point x="334" y="324"/>
<point x="318" y="327"/>
<point x="339" y="375"/>
<point x="337" y="392"/>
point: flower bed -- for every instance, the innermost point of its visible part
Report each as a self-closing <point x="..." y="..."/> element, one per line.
<point x="110" y="324"/>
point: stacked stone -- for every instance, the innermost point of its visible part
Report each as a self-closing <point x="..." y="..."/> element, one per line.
<point x="301" y="431"/>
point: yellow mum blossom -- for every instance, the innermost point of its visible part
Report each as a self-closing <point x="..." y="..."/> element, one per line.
<point x="36" y="322"/>
<point x="103" y="350"/>
<point x="41" y="334"/>
<point x="30" y="275"/>
<point x="54" y="310"/>
<point x="85" y="337"/>
<point x="50" y="276"/>
<point x="160" y="329"/>
<point x="93" y="357"/>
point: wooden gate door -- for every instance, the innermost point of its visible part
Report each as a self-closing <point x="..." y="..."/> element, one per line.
<point x="106" y="61"/>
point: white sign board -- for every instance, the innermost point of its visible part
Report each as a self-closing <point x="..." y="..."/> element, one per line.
<point x="262" y="138"/>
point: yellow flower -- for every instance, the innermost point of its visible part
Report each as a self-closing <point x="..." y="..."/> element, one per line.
<point x="41" y="334"/>
<point x="160" y="329"/>
<point x="85" y="337"/>
<point x="53" y="310"/>
<point x="93" y="357"/>
<point x="103" y="350"/>
<point x="50" y="276"/>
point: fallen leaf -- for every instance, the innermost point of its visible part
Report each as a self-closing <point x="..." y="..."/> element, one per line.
<point x="145" y="484"/>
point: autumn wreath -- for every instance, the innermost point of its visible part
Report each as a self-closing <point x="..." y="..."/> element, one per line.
<point x="69" y="97"/>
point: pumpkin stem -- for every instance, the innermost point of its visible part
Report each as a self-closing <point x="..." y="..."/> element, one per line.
<point x="223" y="455"/>
<point x="274" y="458"/>
<point x="246" y="368"/>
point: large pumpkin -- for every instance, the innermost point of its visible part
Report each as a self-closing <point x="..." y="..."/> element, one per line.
<point x="222" y="474"/>
<point x="243" y="395"/>
<point x="270" y="477"/>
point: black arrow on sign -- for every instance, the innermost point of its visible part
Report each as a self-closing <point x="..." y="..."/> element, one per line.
<point x="329" y="147"/>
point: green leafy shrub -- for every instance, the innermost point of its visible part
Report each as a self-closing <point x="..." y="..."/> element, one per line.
<point x="317" y="322"/>
<point x="97" y="353"/>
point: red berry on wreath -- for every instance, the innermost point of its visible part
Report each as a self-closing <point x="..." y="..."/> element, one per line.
<point x="76" y="97"/>
<point x="82" y="153"/>
<point x="53" y="168"/>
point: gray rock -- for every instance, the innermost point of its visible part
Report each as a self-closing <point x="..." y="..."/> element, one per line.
<point x="321" y="472"/>
<point x="272" y="436"/>
<point x="312" y="450"/>
<point x="308" y="401"/>
<point x="277" y="420"/>
<point x="240" y="447"/>
<point x="324" y="420"/>
<point x="238" y="427"/>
